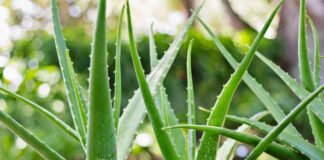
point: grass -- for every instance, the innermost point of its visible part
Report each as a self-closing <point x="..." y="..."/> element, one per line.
<point x="106" y="135"/>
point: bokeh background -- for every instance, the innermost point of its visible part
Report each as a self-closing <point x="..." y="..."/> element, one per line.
<point x="29" y="65"/>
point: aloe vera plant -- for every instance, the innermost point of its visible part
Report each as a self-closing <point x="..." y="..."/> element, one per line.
<point x="191" y="107"/>
<point x="208" y="146"/>
<point x="106" y="135"/>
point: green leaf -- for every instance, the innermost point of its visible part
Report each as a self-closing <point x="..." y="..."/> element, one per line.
<point x="317" y="126"/>
<point x="275" y="149"/>
<point x="57" y="121"/>
<point x="208" y="145"/>
<point x="40" y="147"/>
<point x="317" y="59"/>
<point x="256" y="87"/>
<point x="293" y="141"/>
<point x="204" y="110"/>
<point x="227" y="149"/>
<point x="77" y="89"/>
<point x="304" y="66"/>
<point x="168" y="150"/>
<point x="317" y="129"/>
<point x="191" y="107"/>
<point x="118" y="93"/>
<point x="267" y="140"/>
<point x="164" y="106"/>
<point x="134" y="113"/>
<point x="75" y="103"/>
<point x="153" y="52"/>
<point x="314" y="111"/>
<point x="101" y="140"/>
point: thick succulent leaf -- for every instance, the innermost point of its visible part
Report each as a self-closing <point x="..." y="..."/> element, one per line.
<point x="316" y="107"/>
<point x="118" y="93"/>
<point x="251" y="82"/>
<point x="317" y="63"/>
<point x="209" y="142"/>
<point x="276" y="150"/>
<point x="293" y="141"/>
<point x="191" y="144"/>
<point x="270" y="137"/>
<point x="317" y="129"/>
<point x="304" y="66"/>
<point x="164" y="106"/>
<point x="77" y="89"/>
<point x="314" y="111"/>
<point x="153" y="52"/>
<point x="226" y="151"/>
<point x="57" y="121"/>
<point x="319" y="140"/>
<point x="75" y="105"/>
<point x="204" y="110"/>
<point x="163" y="138"/>
<point x="40" y="147"/>
<point x="101" y="140"/>
<point x="135" y="111"/>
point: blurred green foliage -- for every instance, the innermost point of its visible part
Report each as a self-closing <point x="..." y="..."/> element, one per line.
<point x="36" y="55"/>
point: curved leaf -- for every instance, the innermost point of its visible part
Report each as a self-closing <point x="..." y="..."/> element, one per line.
<point x="168" y="150"/>
<point x="40" y="147"/>
<point x="208" y="145"/>
<point x="228" y="147"/>
<point x="304" y="66"/>
<point x="293" y="141"/>
<point x="251" y="82"/>
<point x="314" y="111"/>
<point x="277" y="150"/>
<point x="118" y="93"/>
<point x="134" y="113"/>
<point x="317" y="64"/>
<point x="75" y="103"/>
<point x="282" y="125"/>
<point x="191" y="147"/>
<point x="57" y="121"/>
<point x="164" y="106"/>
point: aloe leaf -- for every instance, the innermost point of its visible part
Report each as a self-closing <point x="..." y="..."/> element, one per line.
<point x="305" y="69"/>
<point x="40" y="147"/>
<point x="191" y="107"/>
<point x="317" y="63"/>
<point x="153" y="52"/>
<point x="276" y="150"/>
<point x="204" y="110"/>
<point x="208" y="145"/>
<point x="135" y="111"/>
<point x="298" y="143"/>
<point x="228" y="147"/>
<point x="314" y="111"/>
<point x="316" y="124"/>
<point x="281" y="126"/>
<point x="118" y="93"/>
<point x="75" y="105"/>
<point x="256" y="87"/>
<point x="101" y="140"/>
<point x="57" y="121"/>
<point x="164" y="140"/>
<point x="317" y="129"/>
<point x="300" y="92"/>
<point x="164" y="106"/>
<point x="77" y="90"/>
